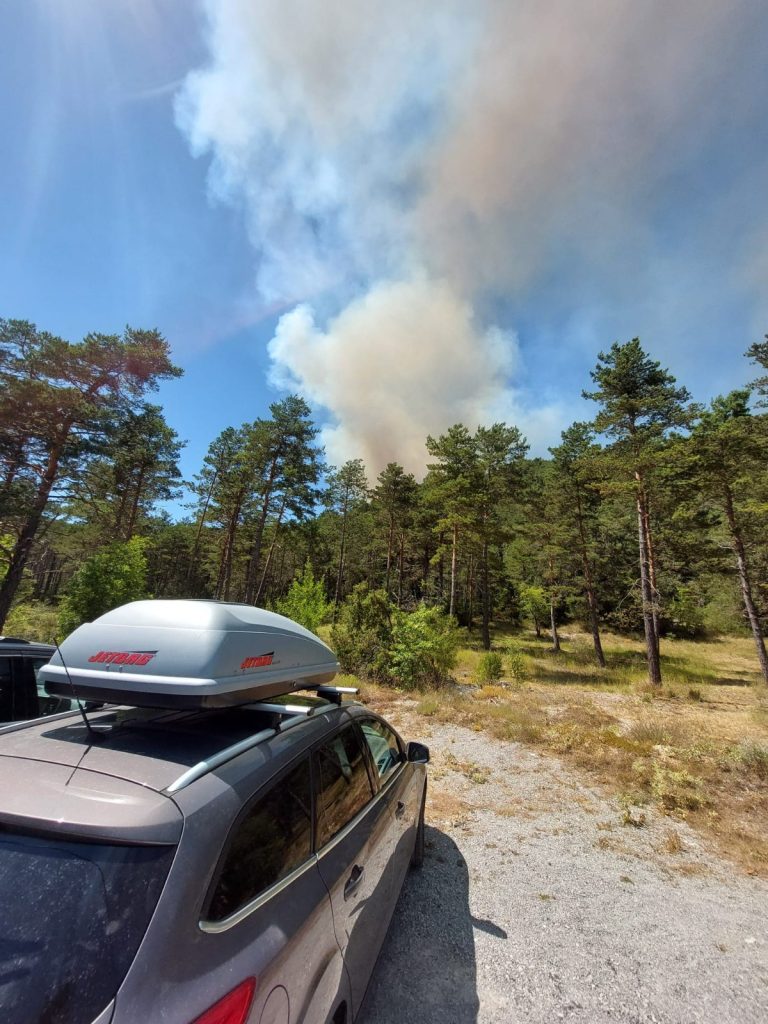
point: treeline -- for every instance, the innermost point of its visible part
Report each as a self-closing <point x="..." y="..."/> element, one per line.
<point x="652" y="517"/>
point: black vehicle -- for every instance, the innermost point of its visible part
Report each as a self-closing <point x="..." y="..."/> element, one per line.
<point x="22" y="695"/>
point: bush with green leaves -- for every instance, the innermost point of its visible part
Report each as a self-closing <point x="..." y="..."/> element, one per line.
<point x="363" y="633"/>
<point x="33" y="620"/>
<point x="113" y="576"/>
<point x="305" y="602"/>
<point x="424" y="647"/>
<point x="490" y="667"/>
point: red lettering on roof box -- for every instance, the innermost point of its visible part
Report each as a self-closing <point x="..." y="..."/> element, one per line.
<point x="260" y="661"/>
<point x="122" y="657"/>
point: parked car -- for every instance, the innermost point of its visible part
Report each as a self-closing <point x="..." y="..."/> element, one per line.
<point x="202" y="866"/>
<point x="22" y="695"/>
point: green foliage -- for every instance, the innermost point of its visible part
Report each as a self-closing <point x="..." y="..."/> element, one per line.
<point x="374" y="640"/>
<point x="33" y="621"/>
<point x="490" y="667"/>
<point x="686" y="612"/>
<point x="516" y="663"/>
<point x="363" y="633"/>
<point x="424" y="647"/>
<point x="113" y="576"/>
<point x="305" y="602"/>
<point x="534" y="604"/>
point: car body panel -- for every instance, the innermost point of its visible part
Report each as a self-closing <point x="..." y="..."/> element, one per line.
<point x="301" y="937"/>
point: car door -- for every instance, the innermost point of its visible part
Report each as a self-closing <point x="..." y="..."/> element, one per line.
<point x="398" y="787"/>
<point x="353" y="844"/>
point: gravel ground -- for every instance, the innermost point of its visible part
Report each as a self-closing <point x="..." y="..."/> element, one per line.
<point x="536" y="904"/>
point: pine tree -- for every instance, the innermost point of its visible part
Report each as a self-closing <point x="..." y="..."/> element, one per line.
<point x="640" y="403"/>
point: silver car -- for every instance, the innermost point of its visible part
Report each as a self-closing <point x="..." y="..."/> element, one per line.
<point x="215" y="866"/>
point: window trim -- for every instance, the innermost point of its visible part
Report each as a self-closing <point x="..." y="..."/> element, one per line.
<point x="204" y="923"/>
<point x="216" y="927"/>
<point x="372" y="782"/>
<point x="381" y="784"/>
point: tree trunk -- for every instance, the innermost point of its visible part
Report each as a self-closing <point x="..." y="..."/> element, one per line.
<point x="342" y="549"/>
<point x="651" y="640"/>
<point x="454" y="546"/>
<point x="589" y="589"/>
<point x="400" y="559"/>
<point x="390" y="539"/>
<point x="135" y="504"/>
<point x="25" y="539"/>
<point x="253" y="562"/>
<point x="199" y="533"/>
<point x="553" y="624"/>
<point x="651" y="569"/>
<point x="486" y="625"/>
<point x="745" y="582"/>
<point x="279" y="520"/>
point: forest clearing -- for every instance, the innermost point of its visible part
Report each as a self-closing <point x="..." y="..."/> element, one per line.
<point x="695" y="752"/>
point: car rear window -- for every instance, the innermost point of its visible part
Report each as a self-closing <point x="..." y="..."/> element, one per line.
<point x="271" y="840"/>
<point x="73" y="915"/>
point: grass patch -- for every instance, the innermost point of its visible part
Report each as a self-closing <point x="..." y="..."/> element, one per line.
<point x="696" y="749"/>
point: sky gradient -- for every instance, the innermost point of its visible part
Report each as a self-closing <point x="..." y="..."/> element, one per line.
<point x="412" y="213"/>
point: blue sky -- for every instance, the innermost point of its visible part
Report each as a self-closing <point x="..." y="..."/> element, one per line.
<point x="411" y="215"/>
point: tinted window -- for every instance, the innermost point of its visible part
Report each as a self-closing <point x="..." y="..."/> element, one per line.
<point x="73" y="915"/>
<point x="18" y="697"/>
<point x="271" y="840"/>
<point x="383" y="745"/>
<point x="344" y="787"/>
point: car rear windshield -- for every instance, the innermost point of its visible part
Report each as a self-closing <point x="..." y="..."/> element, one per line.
<point x="73" y="915"/>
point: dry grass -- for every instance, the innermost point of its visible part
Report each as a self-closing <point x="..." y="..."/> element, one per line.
<point x="697" y="750"/>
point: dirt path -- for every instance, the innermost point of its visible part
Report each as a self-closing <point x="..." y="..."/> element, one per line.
<point x="537" y="904"/>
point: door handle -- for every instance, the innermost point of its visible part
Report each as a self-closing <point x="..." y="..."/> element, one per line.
<point x="400" y="811"/>
<point x="354" y="880"/>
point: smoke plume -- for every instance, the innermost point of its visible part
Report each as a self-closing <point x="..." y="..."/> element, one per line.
<point x="411" y="170"/>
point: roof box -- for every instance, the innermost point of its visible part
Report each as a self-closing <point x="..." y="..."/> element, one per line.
<point x="188" y="654"/>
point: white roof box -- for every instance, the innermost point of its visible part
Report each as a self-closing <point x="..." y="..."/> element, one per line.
<point x="188" y="654"/>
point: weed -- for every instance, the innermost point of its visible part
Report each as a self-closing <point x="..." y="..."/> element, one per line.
<point x="630" y="815"/>
<point x="489" y="692"/>
<point x="651" y="733"/>
<point x="751" y="757"/>
<point x="676" y="790"/>
<point x="429" y="706"/>
<point x="490" y="667"/>
<point x="694" y="694"/>
<point x="672" y="842"/>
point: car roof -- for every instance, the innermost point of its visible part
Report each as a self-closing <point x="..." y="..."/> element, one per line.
<point x="13" y="645"/>
<point x="151" y="747"/>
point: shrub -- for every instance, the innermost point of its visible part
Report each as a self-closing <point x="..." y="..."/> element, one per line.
<point x="490" y="667"/>
<point x="516" y="664"/>
<point x="33" y="621"/>
<point x="362" y="636"/>
<point x="305" y="602"/>
<point x="113" y="576"/>
<point x="423" y="648"/>
<point x="752" y="757"/>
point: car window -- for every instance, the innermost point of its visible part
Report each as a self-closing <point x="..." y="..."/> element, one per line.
<point x="270" y="841"/>
<point x="343" y="784"/>
<point x="383" y="745"/>
<point x="73" y="916"/>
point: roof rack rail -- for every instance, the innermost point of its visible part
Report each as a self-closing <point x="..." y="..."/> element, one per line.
<point x="289" y="715"/>
<point x="334" y="693"/>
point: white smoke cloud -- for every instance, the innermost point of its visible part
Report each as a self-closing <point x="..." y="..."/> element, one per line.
<point x="375" y="366"/>
<point x="403" y="164"/>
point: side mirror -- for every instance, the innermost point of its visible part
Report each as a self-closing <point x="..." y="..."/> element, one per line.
<point x="417" y="753"/>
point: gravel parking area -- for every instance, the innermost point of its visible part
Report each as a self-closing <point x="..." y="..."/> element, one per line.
<point x="537" y="904"/>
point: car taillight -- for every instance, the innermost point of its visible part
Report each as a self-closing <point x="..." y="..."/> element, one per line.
<point x="233" y="1008"/>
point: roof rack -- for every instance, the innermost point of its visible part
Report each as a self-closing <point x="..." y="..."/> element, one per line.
<point x="288" y="715"/>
